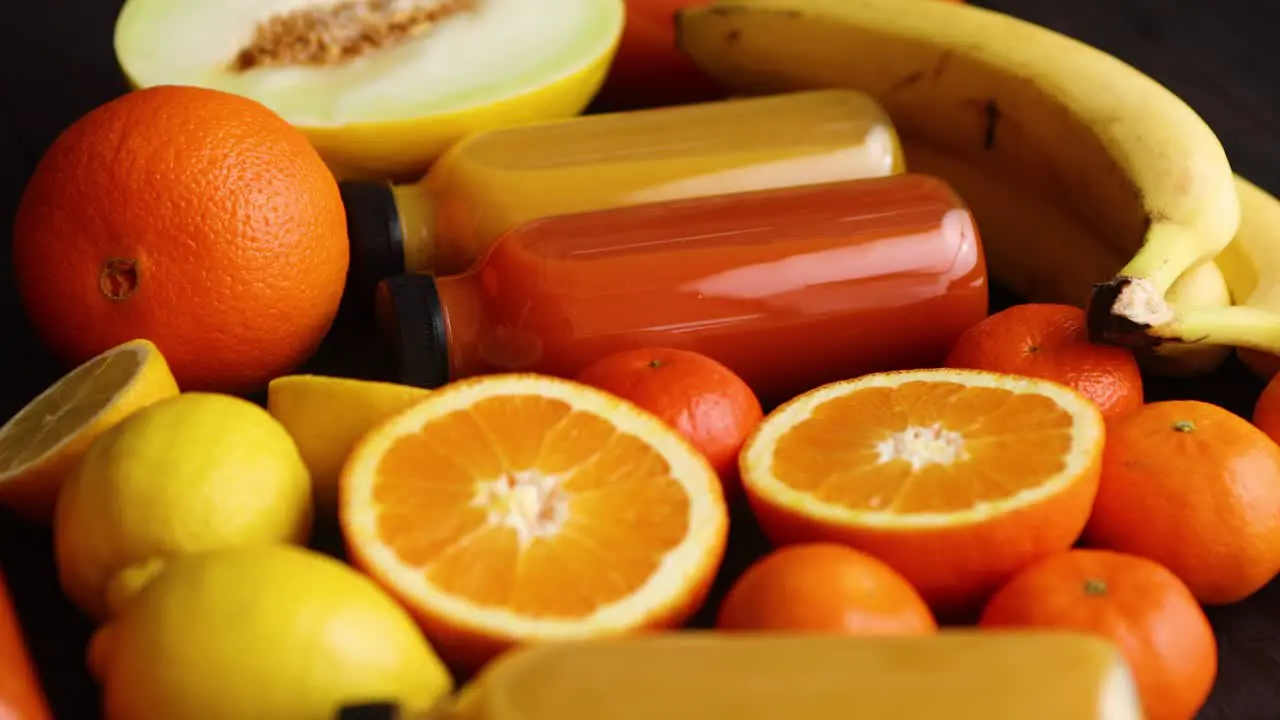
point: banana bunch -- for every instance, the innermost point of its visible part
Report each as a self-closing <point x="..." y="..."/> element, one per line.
<point x="1251" y="267"/>
<point x="1092" y="184"/>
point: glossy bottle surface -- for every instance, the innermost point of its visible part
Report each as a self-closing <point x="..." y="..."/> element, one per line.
<point x="790" y="288"/>
<point x="955" y="675"/>
<point x="495" y="181"/>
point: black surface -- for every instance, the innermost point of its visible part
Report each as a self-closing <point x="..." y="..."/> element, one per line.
<point x="56" y="63"/>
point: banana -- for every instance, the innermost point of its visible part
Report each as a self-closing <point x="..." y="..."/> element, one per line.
<point x="1251" y="266"/>
<point x="1060" y="121"/>
<point x="1204" y="285"/>
<point x="1074" y="163"/>
<point x="1043" y="253"/>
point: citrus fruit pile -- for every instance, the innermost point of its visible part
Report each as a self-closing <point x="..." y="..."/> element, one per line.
<point x="512" y="509"/>
<point x="181" y="248"/>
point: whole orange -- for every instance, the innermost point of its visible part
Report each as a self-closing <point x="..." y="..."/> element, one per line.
<point x="1134" y="602"/>
<point x="196" y="219"/>
<point x="1197" y="489"/>
<point x="1052" y="342"/>
<point x="1266" y="413"/>
<point x="707" y="402"/>
<point x="824" y="588"/>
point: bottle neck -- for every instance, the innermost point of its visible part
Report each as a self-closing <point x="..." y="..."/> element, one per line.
<point x="466" y="322"/>
<point x="415" y="208"/>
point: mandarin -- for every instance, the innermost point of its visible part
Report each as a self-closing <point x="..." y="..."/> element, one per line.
<point x="1136" y="603"/>
<point x="824" y="588"/>
<point x="196" y="219"/>
<point x="1052" y="342"/>
<point x="705" y="401"/>
<point x="1197" y="489"/>
<point x="955" y="478"/>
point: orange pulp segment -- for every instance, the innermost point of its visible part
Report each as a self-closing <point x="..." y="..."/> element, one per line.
<point x="956" y="478"/>
<point x="512" y="508"/>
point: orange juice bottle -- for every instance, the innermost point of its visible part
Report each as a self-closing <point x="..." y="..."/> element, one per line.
<point x="494" y="181"/>
<point x="790" y="288"/>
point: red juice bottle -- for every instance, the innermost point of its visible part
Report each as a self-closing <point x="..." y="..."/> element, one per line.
<point x="790" y="288"/>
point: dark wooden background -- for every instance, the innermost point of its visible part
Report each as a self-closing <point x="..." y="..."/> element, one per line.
<point x="56" y="63"/>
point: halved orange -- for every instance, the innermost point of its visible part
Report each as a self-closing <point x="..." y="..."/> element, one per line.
<point x="955" y="478"/>
<point x="515" y="508"/>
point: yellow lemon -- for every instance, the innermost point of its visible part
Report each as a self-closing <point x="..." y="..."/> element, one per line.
<point x="327" y="416"/>
<point x="42" y="443"/>
<point x="264" y="633"/>
<point x="195" y="472"/>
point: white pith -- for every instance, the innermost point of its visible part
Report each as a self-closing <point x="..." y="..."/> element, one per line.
<point x="502" y="49"/>
<point x="923" y="446"/>
<point x="533" y="505"/>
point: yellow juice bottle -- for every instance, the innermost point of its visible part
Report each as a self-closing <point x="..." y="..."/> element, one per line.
<point x="955" y="675"/>
<point x="494" y="181"/>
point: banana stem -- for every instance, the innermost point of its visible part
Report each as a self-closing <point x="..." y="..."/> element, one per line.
<point x="1124" y="310"/>
<point x="1237" y="326"/>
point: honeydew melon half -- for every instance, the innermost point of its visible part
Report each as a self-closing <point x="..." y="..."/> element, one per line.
<point x="381" y="87"/>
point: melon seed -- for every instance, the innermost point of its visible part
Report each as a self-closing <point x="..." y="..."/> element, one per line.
<point x="328" y="35"/>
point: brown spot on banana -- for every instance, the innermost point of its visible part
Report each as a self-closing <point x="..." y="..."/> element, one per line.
<point x="993" y="117"/>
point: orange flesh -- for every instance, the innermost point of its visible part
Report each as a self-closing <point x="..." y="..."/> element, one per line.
<point x="599" y="508"/>
<point x="1003" y="443"/>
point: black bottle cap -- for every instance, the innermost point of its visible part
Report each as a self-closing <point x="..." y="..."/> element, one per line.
<point x="375" y="234"/>
<point x="412" y="319"/>
<point x="370" y="711"/>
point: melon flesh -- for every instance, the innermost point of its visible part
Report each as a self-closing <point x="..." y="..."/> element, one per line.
<point x="497" y="50"/>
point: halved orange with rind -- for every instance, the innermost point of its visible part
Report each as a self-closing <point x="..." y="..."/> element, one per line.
<point x="514" y="508"/>
<point x="956" y="478"/>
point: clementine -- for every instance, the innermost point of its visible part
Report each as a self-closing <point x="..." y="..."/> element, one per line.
<point x="1051" y="342"/>
<point x="1197" y="489"/>
<point x="824" y="588"/>
<point x="1136" y="603"/>
<point x="711" y="406"/>
<point x="508" y="509"/>
<point x="193" y="218"/>
<point x="955" y="478"/>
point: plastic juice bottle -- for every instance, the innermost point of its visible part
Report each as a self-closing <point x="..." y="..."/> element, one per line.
<point x="491" y="182"/>
<point x="954" y="675"/>
<point x="791" y="288"/>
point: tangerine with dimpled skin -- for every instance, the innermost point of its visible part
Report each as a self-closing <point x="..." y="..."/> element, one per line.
<point x="1050" y="341"/>
<point x="1197" y="489"/>
<point x="825" y="588"/>
<point x="1135" y="603"/>
<point x="705" y="401"/>
<point x="194" y="218"/>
